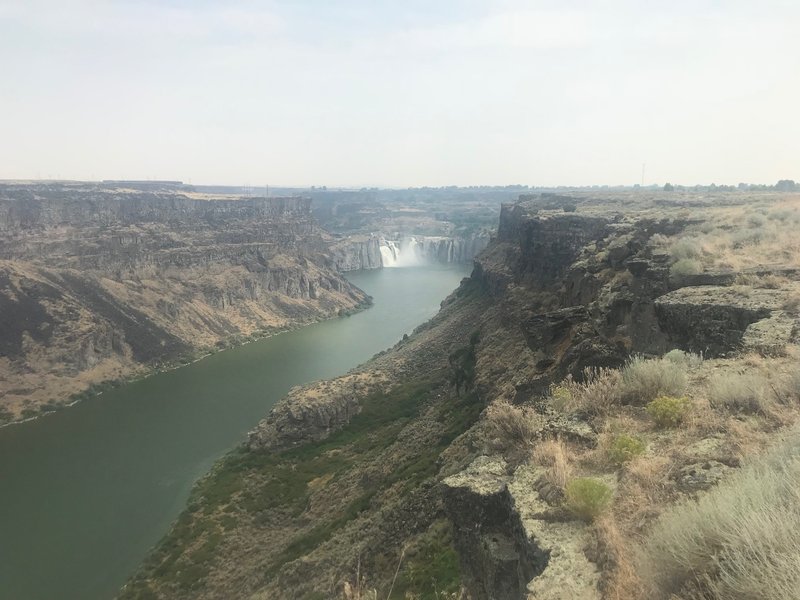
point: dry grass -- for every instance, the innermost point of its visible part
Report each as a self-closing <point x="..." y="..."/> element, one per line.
<point x="621" y="580"/>
<point x="645" y="379"/>
<point x="558" y="458"/>
<point x="740" y="392"/>
<point x="740" y="541"/>
<point x="792" y="304"/>
<point x="596" y="395"/>
<point x="512" y="430"/>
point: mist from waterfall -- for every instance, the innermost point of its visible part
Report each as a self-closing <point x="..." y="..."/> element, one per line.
<point x="419" y="250"/>
<point x="406" y="253"/>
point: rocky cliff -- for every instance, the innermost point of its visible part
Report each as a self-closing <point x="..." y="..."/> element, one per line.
<point x="390" y="477"/>
<point x="99" y="284"/>
<point x="356" y="252"/>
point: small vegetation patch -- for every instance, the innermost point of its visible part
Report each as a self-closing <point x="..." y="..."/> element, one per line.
<point x="685" y="359"/>
<point x="669" y="411"/>
<point x="685" y="267"/>
<point x="510" y="427"/>
<point x="739" y="392"/>
<point x="645" y="379"/>
<point x="586" y="497"/>
<point x="462" y="364"/>
<point x="430" y="570"/>
<point x="739" y="541"/>
<point x="624" y="448"/>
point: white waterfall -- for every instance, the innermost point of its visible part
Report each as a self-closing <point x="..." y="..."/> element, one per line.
<point x="413" y="251"/>
<point x="404" y="253"/>
<point x="389" y="253"/>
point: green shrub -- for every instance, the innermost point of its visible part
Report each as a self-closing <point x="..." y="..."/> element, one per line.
<point x="643" y="380"/>
<point x="685" y="267"/>
<point x="625" y="447"/>
<point x="739" y="392"/>
<point x="683" y="249"/>
<point x="587" y="498"/>
<point x="739" y="541"/>
<point x="560" y="396"/>
<point x="669" y="411"/>
<point x="686" y="359"/>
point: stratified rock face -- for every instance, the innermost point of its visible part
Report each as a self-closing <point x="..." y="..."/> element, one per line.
<point x="716" y="320"/>
<point x="460" y="250"/>
<point x="357" y="252"/>
<point x="95" y="284"/>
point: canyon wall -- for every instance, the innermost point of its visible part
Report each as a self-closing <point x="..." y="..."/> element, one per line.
<point x="97" y="285"/>
<point x="395" y="470"/>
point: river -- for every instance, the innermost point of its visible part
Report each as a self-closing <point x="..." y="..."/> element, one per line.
<point x="85" y="492"/>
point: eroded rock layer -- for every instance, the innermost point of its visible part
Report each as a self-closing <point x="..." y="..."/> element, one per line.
<point x="390" y="478"/>
<point x="97" y="284"/>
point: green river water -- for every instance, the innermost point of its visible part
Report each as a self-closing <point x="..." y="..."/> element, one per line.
<point x="85" y="492"/>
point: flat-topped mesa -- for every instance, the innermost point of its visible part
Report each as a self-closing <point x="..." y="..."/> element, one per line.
<point x="22" y="209"/>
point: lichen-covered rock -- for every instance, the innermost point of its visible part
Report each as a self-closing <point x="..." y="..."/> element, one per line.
<point x="569" y="574"/>
<point x="713" y="319"/>
<point x="701" y="476"/>
<point x="512" y="543"/>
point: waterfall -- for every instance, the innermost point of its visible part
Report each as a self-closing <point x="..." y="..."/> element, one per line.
<point x="413" y="251"/>
<point x="389" y="253"/>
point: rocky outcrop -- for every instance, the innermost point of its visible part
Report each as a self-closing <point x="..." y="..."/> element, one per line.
<point x="102" y="283"/>
<point x="716" y="320"/>
<point x="512" y="544"/>
<point x="356" y="252"/>
<point x="313" y="412"/>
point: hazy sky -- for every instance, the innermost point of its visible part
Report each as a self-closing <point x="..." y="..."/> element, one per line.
<point x="412" y="92"/>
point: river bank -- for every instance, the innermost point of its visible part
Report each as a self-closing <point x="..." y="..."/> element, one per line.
<point x="87" y="491"/>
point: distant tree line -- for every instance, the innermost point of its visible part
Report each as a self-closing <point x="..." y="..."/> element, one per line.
<point x="784" y="185"/>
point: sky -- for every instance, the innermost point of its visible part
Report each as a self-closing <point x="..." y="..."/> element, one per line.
<point x="405" y="93"/>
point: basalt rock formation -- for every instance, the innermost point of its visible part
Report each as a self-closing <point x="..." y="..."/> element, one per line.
<point x="356" y="252"/>
<point x="99" y="284"/>
<point x="390" y="472"/>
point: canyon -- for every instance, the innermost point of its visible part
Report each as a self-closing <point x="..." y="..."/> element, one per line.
<point x="391" y="477"/>
<point x="99" y="285"/>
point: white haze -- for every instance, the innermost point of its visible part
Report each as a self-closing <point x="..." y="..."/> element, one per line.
<point x="363" y="92"/>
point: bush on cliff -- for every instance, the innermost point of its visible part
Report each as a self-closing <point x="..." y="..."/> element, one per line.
<point x="669" y="411"/>
<point x="512" y="429"/>
<point x="739" y="541"/>
<point x="643" y="380"/>
<point x="596" y="395"/>
<point x="586" y="497"/>
<point x="739" y="392"/>
<point x="624" y="448"/>
<point x="684" y="268"/>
